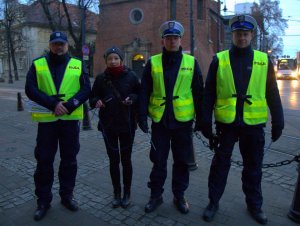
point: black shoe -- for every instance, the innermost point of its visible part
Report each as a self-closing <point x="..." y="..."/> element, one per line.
<point x="40" y="212"/>
<point x="181" y="204"/>
<point x="153" y="204"/>
<point x="210" y="211"/>
<point x="70" y="204"/>
<point x="125" y="202"/>
<point x="116" y="201"/>
<point x="258" y="215"/>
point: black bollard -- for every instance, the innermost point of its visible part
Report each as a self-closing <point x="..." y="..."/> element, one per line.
<point x="20" y="104"/>
<point x="86" y="124"/>
<point x="192" y="161"/>
<point x="294" y="212"/>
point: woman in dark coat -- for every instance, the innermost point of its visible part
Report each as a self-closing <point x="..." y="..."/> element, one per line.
<point x="115" y="94"/>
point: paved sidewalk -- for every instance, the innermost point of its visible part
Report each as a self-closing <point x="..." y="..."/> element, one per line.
<point x="94" y="190"/>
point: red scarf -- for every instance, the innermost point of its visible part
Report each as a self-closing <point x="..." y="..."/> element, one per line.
<point x="115" y="71"/>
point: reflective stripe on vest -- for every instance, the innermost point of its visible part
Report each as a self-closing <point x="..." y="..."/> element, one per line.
<point x="225" y="106"/>
<point x="70" y="85"/>
<point x="183" y="103"/>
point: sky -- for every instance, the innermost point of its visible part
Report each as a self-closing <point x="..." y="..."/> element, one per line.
<point x="291" y="12"/>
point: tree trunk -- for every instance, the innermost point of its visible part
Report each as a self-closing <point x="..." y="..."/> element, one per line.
<point x="13" y="58"/>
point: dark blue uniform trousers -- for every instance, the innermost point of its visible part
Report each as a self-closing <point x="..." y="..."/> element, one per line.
<point x="251" y="144"/>
<point x="64" y="133"/>
<point x="181" y="145"/>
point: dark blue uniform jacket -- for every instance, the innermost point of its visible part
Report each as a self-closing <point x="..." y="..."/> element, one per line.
<point x="57" y="66"/>
<point x="241" y="64"/>
<point x="171" y="63"/>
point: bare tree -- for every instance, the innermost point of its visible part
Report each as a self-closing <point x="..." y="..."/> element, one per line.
<point x="62" y="15"/>
<point x="13" y="14"/>
<point x="271" y="25"/>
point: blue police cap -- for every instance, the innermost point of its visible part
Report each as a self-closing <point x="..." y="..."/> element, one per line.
<point x="171" y="28"/>
<point x="242" y="22"/>
<point x="58" y="36"/>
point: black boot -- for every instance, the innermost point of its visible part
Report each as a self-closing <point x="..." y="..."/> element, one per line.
<point x="181" y="204"/>
<point x="70" y="204"/>
<point x="116" y="201"/>
<point x="41" y="212"/>
<point x="153" y="204"/>
<point x="210" y="211"/>
<point x="126" y="200"/>
<point x="258" y="215"/>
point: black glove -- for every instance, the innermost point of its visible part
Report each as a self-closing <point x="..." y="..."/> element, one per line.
<point x="276" y="133"/>
<point x="197" y="127"/>
<point x="207" y="131"/>
<point x="144" y="126"/>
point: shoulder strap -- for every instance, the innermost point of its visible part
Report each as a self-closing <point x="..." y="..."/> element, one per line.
<point x="115" y="91"/>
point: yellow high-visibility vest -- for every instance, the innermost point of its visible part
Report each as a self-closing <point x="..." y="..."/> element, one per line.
<point x="183" y="103"/>
<point x="70" y="85"/>
<point x="225" y="106"/>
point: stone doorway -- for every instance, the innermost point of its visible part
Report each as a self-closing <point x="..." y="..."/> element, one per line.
<point x="138" y="64"/>
<point x="136" y="54"/>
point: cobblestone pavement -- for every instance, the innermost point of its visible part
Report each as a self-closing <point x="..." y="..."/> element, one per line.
<point x="94" y="190"/>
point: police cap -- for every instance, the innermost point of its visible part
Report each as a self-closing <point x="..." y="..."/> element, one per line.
<point x="242" y="22"/>
<point x="58" y="36"/>
<point x="171" y="28"/>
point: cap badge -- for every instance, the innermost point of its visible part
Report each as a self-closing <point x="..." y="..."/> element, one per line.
<point x="241" y="18"/>
<point x="171" y="25"/>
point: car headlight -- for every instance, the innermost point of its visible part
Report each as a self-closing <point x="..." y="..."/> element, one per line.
<point x="294" y="74"/>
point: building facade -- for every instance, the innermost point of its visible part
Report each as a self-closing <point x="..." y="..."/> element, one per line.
<point x="133" y="26"/>
<point x="35" y="31"/>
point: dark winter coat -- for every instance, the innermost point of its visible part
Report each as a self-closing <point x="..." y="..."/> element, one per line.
<point x="111" y="90"/>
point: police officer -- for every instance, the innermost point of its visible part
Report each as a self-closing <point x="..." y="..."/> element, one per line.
<point x="59" y="83"/>
<point x="240" y="87"/>
<point x="171" y="94"/>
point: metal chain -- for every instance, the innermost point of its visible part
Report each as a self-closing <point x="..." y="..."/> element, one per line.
<point x="296" y="158"/>
<point x="197" y="134"/>
<point x="270" y="165"/>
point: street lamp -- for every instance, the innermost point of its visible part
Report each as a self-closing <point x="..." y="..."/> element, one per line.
<point x="192" y="38"/>
<point x="8" y="20"/>
<point x="269" y="52"/>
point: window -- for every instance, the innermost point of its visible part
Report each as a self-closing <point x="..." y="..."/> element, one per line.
<point x="200" y="10"/>
<point x="136" y="16"/>
<point x="173" y="9"/>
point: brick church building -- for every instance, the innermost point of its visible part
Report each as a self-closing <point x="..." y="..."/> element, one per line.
<point x="133" y="26"/>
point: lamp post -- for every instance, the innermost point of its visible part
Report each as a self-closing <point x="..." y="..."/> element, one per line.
<point x="192" y="40"/>
<point x="7" y="29"/>
<point x="86" y="123"/>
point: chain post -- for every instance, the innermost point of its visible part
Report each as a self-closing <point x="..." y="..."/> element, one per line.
<point x="294" y="213"/>
<point x="19" y="104"/>
<point x="86" y="123"/>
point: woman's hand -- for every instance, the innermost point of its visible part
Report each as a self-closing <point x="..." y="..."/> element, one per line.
<point x="127" y="101"/>
<point x="99" y="104"/>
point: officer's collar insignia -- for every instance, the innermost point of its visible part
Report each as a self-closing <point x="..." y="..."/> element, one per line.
<point x="171" y="25"/>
